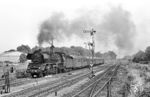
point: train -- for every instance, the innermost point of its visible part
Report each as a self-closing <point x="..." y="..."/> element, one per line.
<point x="44" y="63"/>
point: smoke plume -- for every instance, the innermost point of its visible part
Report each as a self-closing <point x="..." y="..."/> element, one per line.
<point x="119" y="24"/>
<point x="53" y="28"/>
<point x="115" y="25"/>
<point x="58" y="27"/>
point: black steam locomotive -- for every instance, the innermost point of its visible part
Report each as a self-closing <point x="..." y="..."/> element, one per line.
<point x="44" y="63"/>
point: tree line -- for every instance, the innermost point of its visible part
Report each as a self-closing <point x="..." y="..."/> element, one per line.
<point x="142" y="55"/>
<point x="73" y="50"/>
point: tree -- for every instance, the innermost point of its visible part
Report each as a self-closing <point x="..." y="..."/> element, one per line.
<point x="11" y="50"/>
<point x="127" y="57"/>
<point x="37" y="48"/>
<point x="24" y="48"/>
<point x="147" y="52"/>
<point x="22" y="58"/>
<point x="110" y="55"/>
<point x="139" y="56"/>
<point x="98" y="54"/>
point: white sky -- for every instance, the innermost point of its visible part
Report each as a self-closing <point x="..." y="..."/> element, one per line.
<point x="20" y="19"/>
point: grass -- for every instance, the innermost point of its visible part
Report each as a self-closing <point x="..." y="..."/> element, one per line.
<point x="141" y="74"/>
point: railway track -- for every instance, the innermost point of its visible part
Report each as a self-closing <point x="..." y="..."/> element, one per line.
<point x="49" y="87"/>
<point x="18" y="82"/>
<point x="97" y="85"/>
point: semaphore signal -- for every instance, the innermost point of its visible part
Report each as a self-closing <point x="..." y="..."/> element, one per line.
<point x="91" y="44"/>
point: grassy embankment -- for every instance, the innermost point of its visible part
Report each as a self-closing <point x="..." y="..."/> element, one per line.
<point x="140" y="83"/>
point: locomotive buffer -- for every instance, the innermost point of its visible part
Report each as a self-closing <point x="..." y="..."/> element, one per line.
<point x="92" y="44"/>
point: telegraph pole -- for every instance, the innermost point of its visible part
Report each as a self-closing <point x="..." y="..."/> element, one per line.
<point x="92" y="44"/>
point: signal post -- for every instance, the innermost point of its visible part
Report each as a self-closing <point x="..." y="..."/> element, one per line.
<point x="92" y="45"/>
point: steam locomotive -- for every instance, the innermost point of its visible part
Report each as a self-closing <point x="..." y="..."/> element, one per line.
<point x="44" y="63"/>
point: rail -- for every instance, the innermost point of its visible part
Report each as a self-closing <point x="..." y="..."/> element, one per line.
<point x="107" y="83"/>
<point x="59" y="86"/>
<point x="93" y="92"/>
<point x="54" y="86"/>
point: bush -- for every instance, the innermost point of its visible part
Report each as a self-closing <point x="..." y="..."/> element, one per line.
<point x="22" y="58"/>
<point x="145" y="93"/>
<point x="147" y="79"/>
<point x="139" y="56"/>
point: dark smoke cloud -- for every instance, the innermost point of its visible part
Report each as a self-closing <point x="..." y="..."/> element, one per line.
<point x="53" y="28"/>
<point x="118" y="23"/>
<point x="57" y="26"/>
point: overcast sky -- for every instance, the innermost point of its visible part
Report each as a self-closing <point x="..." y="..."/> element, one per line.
<point x="20" y="19"/>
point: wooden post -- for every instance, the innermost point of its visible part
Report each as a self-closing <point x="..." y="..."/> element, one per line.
<point x="7" y="83"/>
<point x="55" y="93"/>
<point x="6" y="70"/>
<point x="56" y="68"/>
<point x="109" y="89"/>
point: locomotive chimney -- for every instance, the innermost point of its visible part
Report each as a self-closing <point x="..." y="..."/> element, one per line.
<point x="52" y="46"/>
